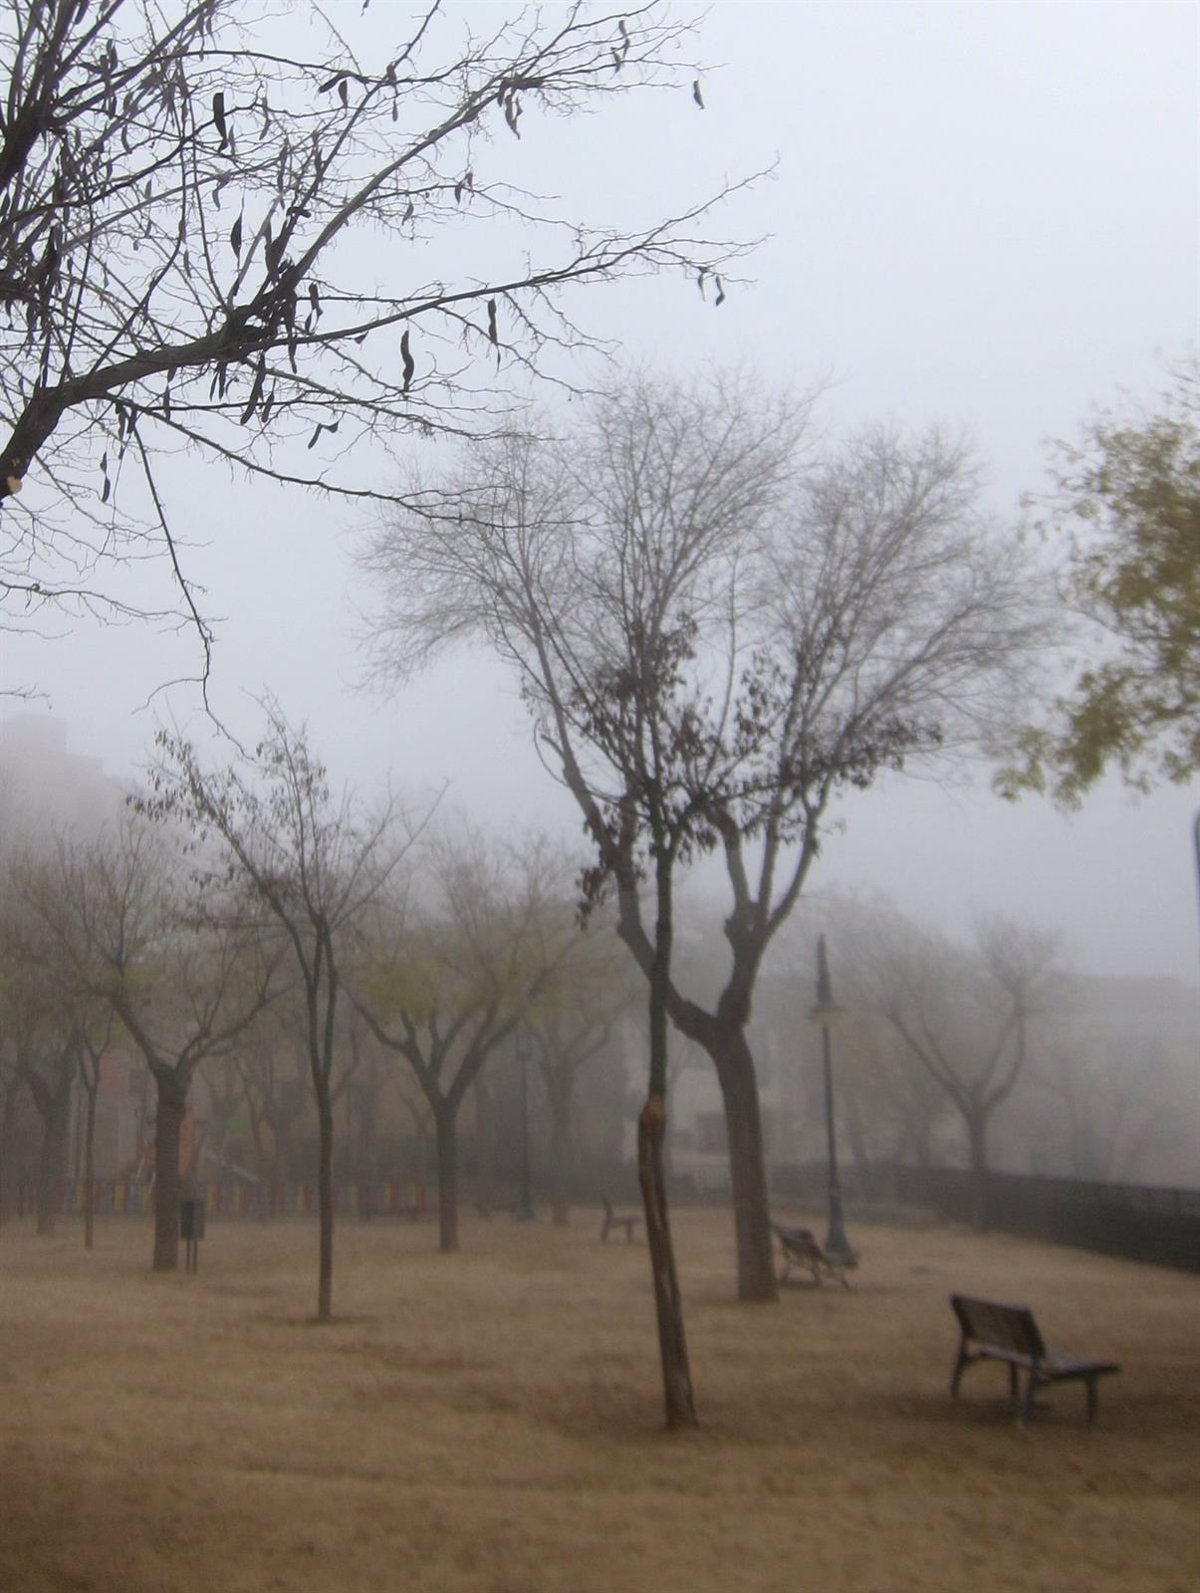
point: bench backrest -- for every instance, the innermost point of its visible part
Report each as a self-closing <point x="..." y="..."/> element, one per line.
<point x="801" y="1242"/>
<point x="1005" y="1327"/>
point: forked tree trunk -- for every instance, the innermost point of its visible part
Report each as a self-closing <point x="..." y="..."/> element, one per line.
<point x="447" y="1173"/>
<point x="172" y="1105"/>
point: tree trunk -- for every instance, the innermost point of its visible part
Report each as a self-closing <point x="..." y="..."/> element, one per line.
<point x="284" y="1153"/>
<point x="89" y="1169"/>
<point x="172" y="1105"/>
<point x="325" y="1200"/>
<point x="672" y="1343"/>
<point x="734" y="1063"/>
<point x="265" y="1192"/>
<point x="485" y="1183"/>
<point x="8" y="1155"/>
<point x="560" y="1138"/>
<point x="652" y="1128"/>
<point x="977" y="1137"/>
<point x="52" y="1156"/>
<point x="447" y="1175"/>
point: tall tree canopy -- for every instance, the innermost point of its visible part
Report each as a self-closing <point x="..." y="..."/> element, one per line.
<point x="307" y="861"/>
<point x="717" y="632"/>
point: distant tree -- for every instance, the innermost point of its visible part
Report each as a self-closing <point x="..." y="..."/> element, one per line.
<point x="183" y="975"/>
<point x="1128" y="497"/>
<point x="890" y="1107"/>
<point x="225" y="1101"/>
<point x="967" y="1018"/>
<point x="40" y="1029"/>
<point x="47" y="1047"/>
<point x="1118" y="1111"/>
<point x="446" y="983"/>
<point x="717" y="633"/>
<point x="185" y="194"/>
<point x="96" y="1032"/>
<point x="307" y="860"/>
<point x="12" y="1090"/>
<point x="272" y="1073"/>
<point x="75" y="1020"/>
<point x="570" y="1025"/>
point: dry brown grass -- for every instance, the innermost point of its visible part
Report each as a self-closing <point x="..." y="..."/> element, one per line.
<point x="491" y="1421"/>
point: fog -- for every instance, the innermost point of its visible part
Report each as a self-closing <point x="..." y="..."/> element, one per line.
<point x="983" y="215"/>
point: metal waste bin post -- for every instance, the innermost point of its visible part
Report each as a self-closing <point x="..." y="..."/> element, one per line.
<point x="191" y="1231"/>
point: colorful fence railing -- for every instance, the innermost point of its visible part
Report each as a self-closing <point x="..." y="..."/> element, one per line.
<point x="236" y="1198"/>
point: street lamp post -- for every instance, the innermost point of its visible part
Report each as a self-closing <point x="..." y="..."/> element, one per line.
<point x="525" y="1211"/>
<point x="837" y="1247"/>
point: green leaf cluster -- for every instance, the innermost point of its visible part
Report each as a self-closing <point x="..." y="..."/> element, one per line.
<point x="1129" y="500"/>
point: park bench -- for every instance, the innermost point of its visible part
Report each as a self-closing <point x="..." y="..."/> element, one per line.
<point x="628" y="1220"/>
<point x="799" y="1248"/>
<point x="1008" y="1333"/>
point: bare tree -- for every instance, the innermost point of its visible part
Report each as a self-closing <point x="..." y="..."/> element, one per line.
<point x="445" y="985"/>
<point x="705" y="618"/>
<point x="966" y="1018"/>
<point x="1113" y="1111"/>
<point x="185" y="191"/>
<point x="572" y="1023"/>
<point x="312" y="864"/>
<point x="892" y="1110"/>
<point x="42" y="1031"/>
<point x="67" y="1029"/>
<point x="96" y="1037"/>
<point x="11" y="1090"/>
<point x="48" y="1047"/>
<point x="271" y="1061"/>
<point x="183" y="979"/>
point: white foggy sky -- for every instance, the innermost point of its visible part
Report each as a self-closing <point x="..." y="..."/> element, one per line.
<point x="983" y="214"/>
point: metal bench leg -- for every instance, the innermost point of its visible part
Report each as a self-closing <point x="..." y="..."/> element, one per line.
<point x="1025" y="1409"/>
<point x="1014" y="1384"/>
<point x="962" y="1361"/>
<point x="1093" y="1400"/>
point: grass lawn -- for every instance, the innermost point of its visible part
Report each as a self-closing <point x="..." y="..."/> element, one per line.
<point x="492" y="1421"/>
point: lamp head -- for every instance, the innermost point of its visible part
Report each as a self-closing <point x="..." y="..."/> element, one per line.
<point x="826" y="1008"/>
